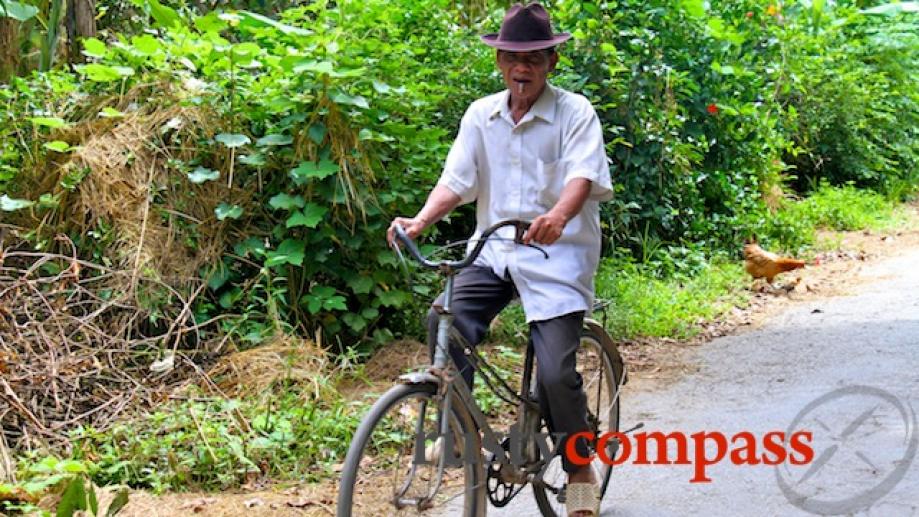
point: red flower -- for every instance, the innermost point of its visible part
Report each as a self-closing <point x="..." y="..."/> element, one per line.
<point x="749" y="14"/>
<point x="712" y="108"/>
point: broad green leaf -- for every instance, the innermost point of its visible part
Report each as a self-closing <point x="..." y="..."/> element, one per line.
<point x="232" y="139"/>
<point x="224" y="211"/>
<point x="256" y="160"/>
<point x="313" y="304"/>
<point x="322" y="291"/>
<point x="73" y="498"/>
<point x="166" y="17"/>
<point x="289" y="252"/>
<point x="307" y="170"/>
<point x="57" y="146"/>
<point x="310" y="216"/>
<point x="247" y="48"/>
<point x="203" y="174"/>
<point x="8" y="204"/>
<point x="386" y="258"/>
<point x="694" y="8"/>
<point x="93" y="47"/>
<point x="146" y="45"/>
<point x="893" y="8"/>
<point x="252" y="20"/>
<point x="360" y="284"/>
<point x="317" y="132"/>
<point x="252" y="244"/>
<point x="394" y="298"/>
<point x="274" y="139"/>
<point x="108" y="112"/>
<point x="17" y="11"/>
<point x="353" y="100"/>
<point x="355" y="321"/>
<point x="284" y="201"/>
<point x="52" y="122"/>
<point x="335" y="303"/>
<point x="370" y="313"/>
<point x="210" y="22"/>
<point x="230" y="297"/>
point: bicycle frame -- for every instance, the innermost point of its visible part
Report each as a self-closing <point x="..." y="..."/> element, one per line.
<point x="521" y="452"/>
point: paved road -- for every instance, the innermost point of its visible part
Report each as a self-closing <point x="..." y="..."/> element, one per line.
<point x="761" y="381"/>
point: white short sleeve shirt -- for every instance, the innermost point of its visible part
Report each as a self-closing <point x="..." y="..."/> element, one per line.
<point x="517" y="171"/>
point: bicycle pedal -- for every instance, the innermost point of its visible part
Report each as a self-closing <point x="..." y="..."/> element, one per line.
<point x="637" y="427"/>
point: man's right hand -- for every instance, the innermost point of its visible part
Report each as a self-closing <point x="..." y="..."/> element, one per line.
<point x="412" y="226"/>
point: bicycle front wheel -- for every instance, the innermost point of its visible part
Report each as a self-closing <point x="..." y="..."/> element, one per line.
<point x="397" y="466"/>
<point x="603" y="374"/>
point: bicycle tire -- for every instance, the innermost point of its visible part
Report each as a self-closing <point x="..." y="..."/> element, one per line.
<point x="369" y="500"/>
<point x="595" y="337"/>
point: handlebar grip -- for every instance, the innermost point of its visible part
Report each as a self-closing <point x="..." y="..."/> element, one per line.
<point x="412" y="248"/>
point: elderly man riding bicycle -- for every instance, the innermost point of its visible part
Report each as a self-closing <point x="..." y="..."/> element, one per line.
<point x="534" y="152"/>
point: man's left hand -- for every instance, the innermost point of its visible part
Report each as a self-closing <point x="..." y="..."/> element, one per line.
<point x="545" y="229"/>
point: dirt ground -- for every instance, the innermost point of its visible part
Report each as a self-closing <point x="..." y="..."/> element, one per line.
<point x="653" y="363"/>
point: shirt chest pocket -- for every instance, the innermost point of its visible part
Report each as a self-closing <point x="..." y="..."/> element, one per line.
<point x="549" y="182"/>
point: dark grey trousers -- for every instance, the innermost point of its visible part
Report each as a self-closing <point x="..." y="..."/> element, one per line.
<point x="478" y="296"/>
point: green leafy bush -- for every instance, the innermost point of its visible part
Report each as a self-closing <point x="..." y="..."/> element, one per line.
<point x="215" y="444"/>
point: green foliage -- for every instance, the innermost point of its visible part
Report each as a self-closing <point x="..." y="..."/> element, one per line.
<point x="17" y="11"/>
<point x="291" y="431"/>
<point x="843" y="208"/>
<point x="68" y="478"/>
<point x="644" y="304"/>
<point x="335" y="117"/>
<point x="507" y="361"/>
<point x="853" y="94"/>
<point x="710" y="110"/>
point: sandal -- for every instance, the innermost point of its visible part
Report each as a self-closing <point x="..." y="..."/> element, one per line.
<point x="582" y="497"/>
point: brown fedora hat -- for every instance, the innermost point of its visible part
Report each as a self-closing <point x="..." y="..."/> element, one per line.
<point x="525" y="28"/>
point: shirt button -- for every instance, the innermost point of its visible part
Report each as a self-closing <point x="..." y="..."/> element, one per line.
<point x="515" y="160"/>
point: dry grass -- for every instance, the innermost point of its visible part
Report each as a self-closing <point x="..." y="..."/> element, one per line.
<point x="133" y="186"/>
<point x="285" y="358"/>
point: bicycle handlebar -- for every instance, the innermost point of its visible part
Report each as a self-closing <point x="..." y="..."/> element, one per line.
<point x="520" y="226"/>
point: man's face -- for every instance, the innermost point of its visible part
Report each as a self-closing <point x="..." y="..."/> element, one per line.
<point x="525" y="73"/>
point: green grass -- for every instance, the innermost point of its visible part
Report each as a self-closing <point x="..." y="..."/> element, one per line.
<point x="645" y="305"/>
<point x="666" y="296"/>
<point x="847" y="208"/>
<point x="286" y="433"/>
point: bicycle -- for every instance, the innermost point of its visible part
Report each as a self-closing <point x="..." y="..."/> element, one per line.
<point x="406" y="436"/>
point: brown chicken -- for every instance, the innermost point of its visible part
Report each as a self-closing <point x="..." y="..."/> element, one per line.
<point x="763" y="264"/>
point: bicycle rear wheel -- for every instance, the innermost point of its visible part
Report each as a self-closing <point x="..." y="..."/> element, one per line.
<point x="603" y="373"/>
<point x="382" y="474"/>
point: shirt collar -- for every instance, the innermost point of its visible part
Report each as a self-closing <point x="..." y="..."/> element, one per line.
<point x="543" y="108"/>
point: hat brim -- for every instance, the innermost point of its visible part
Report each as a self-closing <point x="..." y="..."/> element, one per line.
<point x="524" y="46"/>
